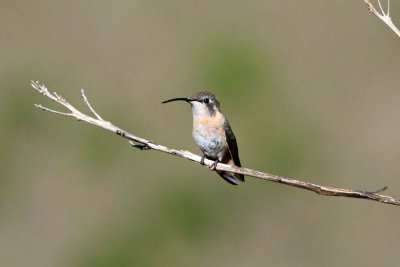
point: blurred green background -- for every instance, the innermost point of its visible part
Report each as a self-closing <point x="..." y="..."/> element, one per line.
<point x="311" y="89"/>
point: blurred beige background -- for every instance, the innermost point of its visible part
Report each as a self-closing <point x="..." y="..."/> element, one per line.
<point x="311" y="89"/>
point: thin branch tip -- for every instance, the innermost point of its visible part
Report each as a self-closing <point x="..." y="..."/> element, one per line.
<point x="38" y="105"/>
<point x="87" y="103"/>
<point x="367" y="193"/>
<point x="52" y="110"/>
<point x="381" y="190"/>
<point x="40" y="88"/>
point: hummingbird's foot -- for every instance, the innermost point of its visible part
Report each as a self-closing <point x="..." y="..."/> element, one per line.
<point x="214" y="165"/>
<point x="202" y="160"/>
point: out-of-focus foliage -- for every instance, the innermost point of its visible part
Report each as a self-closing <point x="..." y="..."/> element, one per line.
<point x="310" y="88"/>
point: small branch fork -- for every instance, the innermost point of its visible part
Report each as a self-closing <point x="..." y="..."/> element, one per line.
<point x="144" y="144"/>
<point x="382" y="15"/>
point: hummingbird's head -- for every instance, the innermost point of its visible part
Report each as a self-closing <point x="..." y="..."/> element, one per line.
<point x="204" y="104"/>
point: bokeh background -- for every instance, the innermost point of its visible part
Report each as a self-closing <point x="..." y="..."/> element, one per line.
<point x="311" y="89"/>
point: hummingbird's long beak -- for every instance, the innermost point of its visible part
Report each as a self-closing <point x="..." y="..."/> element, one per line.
<point x="176" y="99"/>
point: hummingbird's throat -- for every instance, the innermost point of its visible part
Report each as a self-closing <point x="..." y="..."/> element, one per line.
<point x="203" y="110"/>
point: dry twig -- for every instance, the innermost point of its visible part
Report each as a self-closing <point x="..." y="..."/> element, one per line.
<point x="384" y="16"/>
<point x="142" y="144"/>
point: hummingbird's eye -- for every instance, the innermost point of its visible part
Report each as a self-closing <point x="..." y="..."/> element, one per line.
<point x="206" y="100"/>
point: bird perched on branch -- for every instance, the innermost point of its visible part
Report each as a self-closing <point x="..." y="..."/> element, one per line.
<point x="213" y="134"/>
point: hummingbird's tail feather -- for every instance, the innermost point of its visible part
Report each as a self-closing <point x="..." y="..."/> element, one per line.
<point x="232" y="178"/>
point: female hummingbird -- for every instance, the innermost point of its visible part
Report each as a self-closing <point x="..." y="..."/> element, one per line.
<point x="213" y="134"/>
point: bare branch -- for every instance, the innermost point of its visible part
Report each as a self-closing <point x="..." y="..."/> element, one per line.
<point x="144" y="144"/>
<point x="385" y="17"/>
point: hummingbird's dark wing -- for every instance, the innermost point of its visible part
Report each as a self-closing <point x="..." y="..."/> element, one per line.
<point x="232" y="145"/>
<point x="233" y="150"/>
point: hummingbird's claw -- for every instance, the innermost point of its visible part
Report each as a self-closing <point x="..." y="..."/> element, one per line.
<point x="214" y="165"/>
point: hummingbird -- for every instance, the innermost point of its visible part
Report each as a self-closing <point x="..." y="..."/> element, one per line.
<point x="213" y="134"/>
